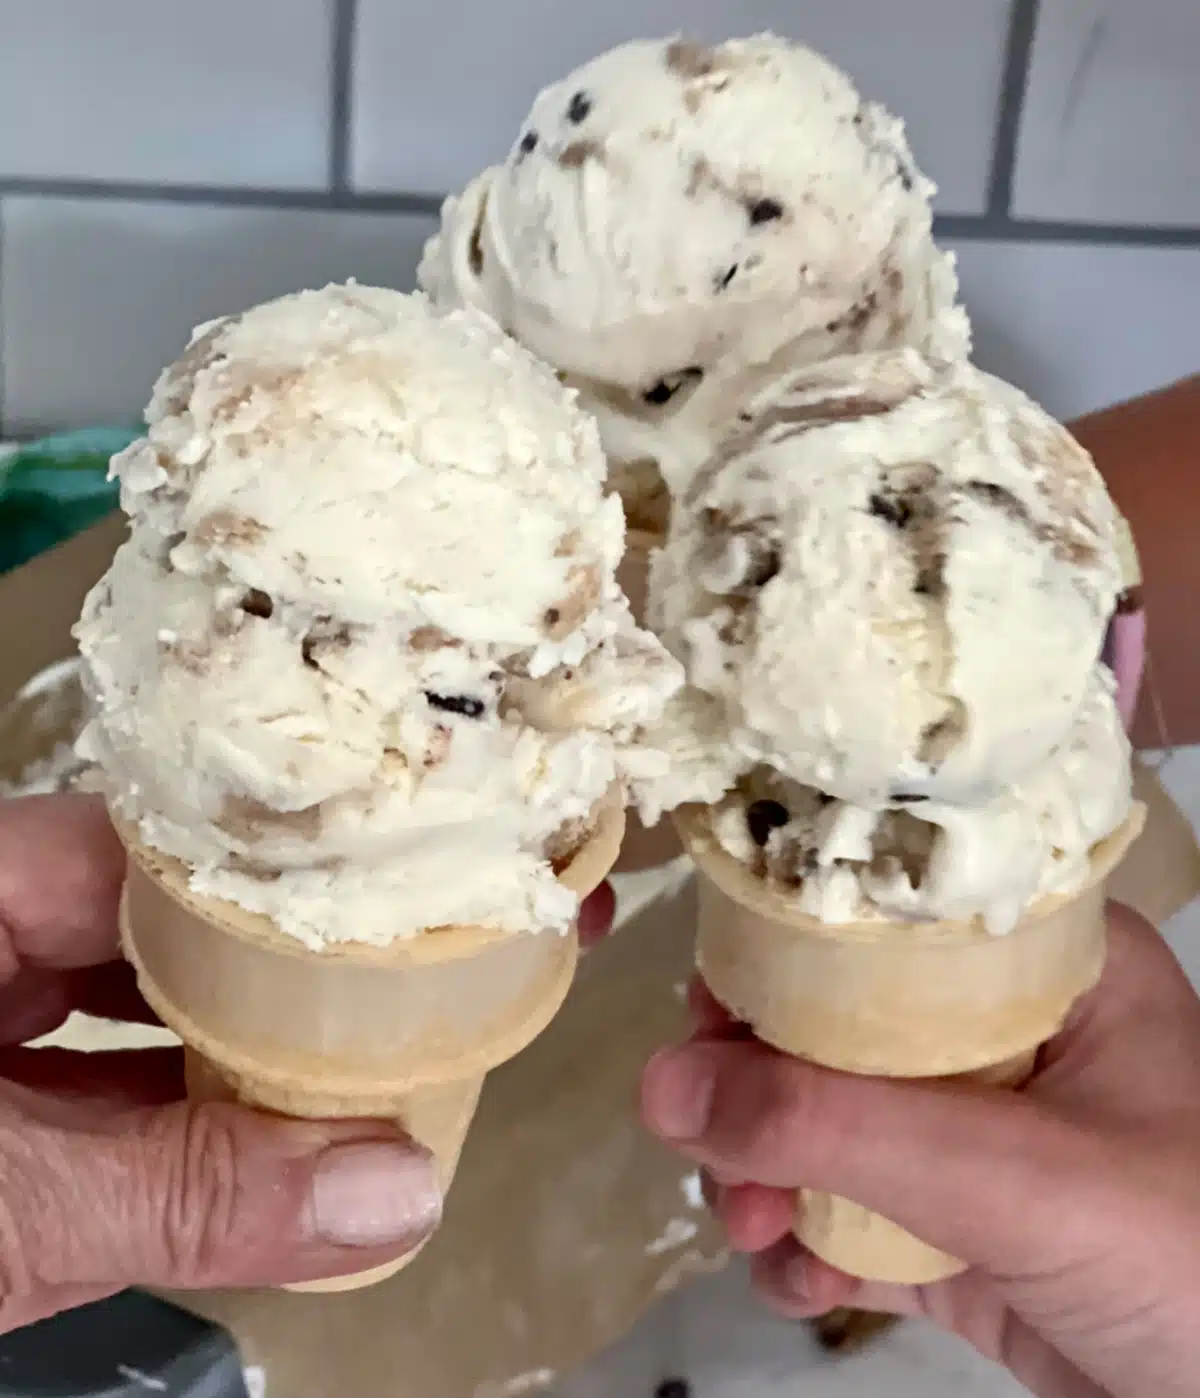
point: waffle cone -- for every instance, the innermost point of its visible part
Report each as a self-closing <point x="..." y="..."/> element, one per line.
<point x="894" y="999"/>
<point x="406" y="1031"/>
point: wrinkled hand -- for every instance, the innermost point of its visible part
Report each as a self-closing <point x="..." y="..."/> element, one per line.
<point x="1077" y="1200"/>
<point x="107" y="1177"/>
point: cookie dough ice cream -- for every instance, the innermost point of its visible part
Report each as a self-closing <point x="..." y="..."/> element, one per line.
<point x="362" y="664"/>
<point x="891" y="626"/>
<point x="678" y="223"/>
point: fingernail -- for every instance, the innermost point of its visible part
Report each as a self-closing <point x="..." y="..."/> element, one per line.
<point x="369" y="1194"/>
<point x="679" y="1093"/>
<point x="797" y="1279"/>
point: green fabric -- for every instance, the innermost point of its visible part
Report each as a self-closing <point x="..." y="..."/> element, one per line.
<point x="52" y="489"/>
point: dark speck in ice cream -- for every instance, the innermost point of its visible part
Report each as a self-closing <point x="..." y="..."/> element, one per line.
<point x="257" y="603"/>
<point x="764" y="816"/>
<point x="722" y="279"/>
<point x="666" y="388"/>
<point x="527" y="144"/>
<point x="764" y="211"/>
<point x="579" y="109"/>
<point x="465" y="704"/>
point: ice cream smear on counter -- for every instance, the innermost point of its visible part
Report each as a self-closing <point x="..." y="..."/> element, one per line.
<point x="891" y="625"/>
<point x="677" y="223"/>
<point x="362" y="664"/>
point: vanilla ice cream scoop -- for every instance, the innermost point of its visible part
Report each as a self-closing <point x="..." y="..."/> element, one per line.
<point x="907" y="605"/>
<point x="677" y="222"/>
<point x="917" y="860"/>
<point x="356" y="525"/>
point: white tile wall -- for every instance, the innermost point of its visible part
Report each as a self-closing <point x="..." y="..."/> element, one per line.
<point x="441" y="89"/>
<point x="1112" y="113"/>
<point x="1083" y="325"/>
<point x="222" y="92"/>
<point x="99" y="295"/>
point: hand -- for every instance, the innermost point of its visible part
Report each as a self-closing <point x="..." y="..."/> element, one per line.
<point x="107" y="1177"/>
<point x="1076" y="1201"/>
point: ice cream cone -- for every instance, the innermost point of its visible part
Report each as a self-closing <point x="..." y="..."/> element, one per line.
<point x="644" y="847"/>
<point x="919" y="1000"/>
<point x="406" y="1031"/>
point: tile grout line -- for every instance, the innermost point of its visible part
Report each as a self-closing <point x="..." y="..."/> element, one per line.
<point x="225" y="196"/>
<point x="1018" y="58"/>
<point x="341" y="96"/>
<point x="986" y="228"/>
<point x="975" y="227"/>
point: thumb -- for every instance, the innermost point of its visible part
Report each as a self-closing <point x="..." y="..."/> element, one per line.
<point x="202" y="1196"/>
<point x="985" y="1174"/>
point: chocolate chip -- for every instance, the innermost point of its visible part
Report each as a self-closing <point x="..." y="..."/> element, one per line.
<point x="465" y="704"/>
<point x="908" y="180"/>
<point x="551" y="616"/>
<point x="722" y="279"/>
<point x="764" y="816"/>
<point x="257" y="603"/>
<point x="908" y="798"/>
<point x="673" y="1388"/>
<point x="580" y="108"/>
<point x="308" y="652"/>
<point x="475" y="250"/>
<point x="666" y="388"/>
<point x="896" y="511"/>
<point x="764" y="211"/>
<point x="528" y="143"/>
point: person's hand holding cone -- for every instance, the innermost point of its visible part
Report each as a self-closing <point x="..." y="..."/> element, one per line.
<point x="1073" y="1200"/>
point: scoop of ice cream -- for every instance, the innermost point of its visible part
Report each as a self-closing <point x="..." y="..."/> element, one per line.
<point x="910" y="602"/>
<point x="919" y="860"/>
<point x="356" y="525"/>
<point x="676" y="222"/>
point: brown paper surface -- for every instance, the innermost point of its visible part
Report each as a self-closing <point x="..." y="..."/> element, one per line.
<point x="566" y="1221"/>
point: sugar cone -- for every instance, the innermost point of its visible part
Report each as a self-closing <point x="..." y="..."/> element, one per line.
<point x="644" y="847"/>
<point x="905" y="1000"/>
<point x="406" y="1031"/>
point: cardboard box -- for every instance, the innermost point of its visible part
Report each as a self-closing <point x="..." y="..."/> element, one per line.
<point x="566" y="1222"/>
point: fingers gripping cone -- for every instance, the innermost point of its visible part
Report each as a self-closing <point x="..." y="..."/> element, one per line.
<point x="406" y="1031"/>
<point x="901" y="1000"/>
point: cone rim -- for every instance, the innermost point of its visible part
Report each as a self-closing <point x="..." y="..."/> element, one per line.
<point x="732" y="878"/>
<point x="586" y="870"/>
